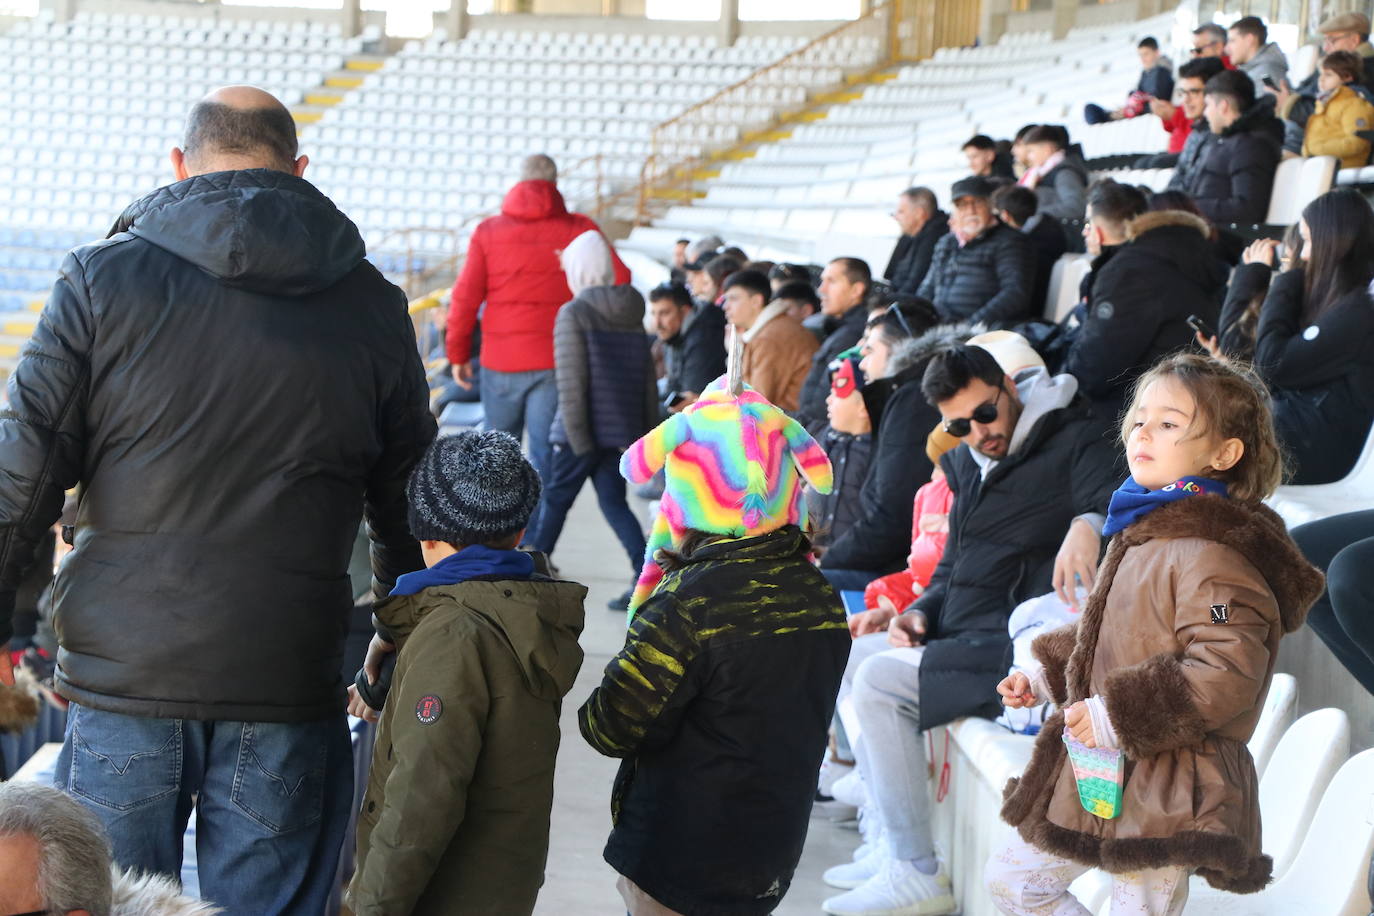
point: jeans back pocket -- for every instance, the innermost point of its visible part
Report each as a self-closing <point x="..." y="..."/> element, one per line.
<point x="280" y="778"/>
<point x="123" y="762"/>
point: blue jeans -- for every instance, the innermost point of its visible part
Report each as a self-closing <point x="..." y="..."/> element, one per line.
<point x="568" y="472"/>
<point x="519" y="402"/>
<point x="272" y="801"/>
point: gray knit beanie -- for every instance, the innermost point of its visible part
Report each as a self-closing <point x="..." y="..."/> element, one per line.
<point x="472" y="488"/>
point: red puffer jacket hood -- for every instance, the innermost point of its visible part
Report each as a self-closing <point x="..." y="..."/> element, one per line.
<point x="532" y="200"/>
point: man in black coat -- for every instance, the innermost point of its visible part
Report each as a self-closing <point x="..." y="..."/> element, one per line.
<point x="1032" y="465"/>
<point x="1018" y="207"/>
<point x="693" y="338"/>
<point x="234" y="388"/>
<point x="1234" y="179"/>
<point x="923" y="224"/>
<point x="844" y="289"/>
<point x="1152" y="272"/>
<point x="982" y="270"/>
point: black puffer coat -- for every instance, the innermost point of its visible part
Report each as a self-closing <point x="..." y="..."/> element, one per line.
<point x="1200" y="140"/>
<point x="880" y="538"/>
<point x="1233" y="181"/>
<point x="1321" y="375"/>
<point x="832" y="514"/>
<point x="841" y="334"/>
<point x="1139" y="304"/>
<point x="1004" y="532"/>
<point x="1063" y="192"/>
<point x="911" y="258"/>
<point x="232" y="386"/>
<point x="990" y="279"/>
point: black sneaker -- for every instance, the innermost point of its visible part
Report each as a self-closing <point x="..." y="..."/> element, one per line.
<point x="621" y="602"/>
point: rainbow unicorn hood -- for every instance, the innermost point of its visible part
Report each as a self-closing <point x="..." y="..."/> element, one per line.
<point x="735" y="466"/>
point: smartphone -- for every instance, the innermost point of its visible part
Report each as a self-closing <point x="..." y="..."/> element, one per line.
<point x="1202" y="327"/>
<point x="1269" y="81"/>
<point x="672" y="400"/>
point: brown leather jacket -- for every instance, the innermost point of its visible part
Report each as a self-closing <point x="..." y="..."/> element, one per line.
<point x="1179" y="638"/>
<point x="777" y="359"/>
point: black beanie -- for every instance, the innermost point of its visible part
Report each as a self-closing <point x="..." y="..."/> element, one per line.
<point x="472" y="488"/>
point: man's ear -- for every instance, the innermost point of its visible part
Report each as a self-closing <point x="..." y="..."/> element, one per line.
<point x="298" y="168"/>
<point x="179" y="164"/>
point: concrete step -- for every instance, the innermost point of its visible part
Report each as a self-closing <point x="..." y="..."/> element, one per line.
<point x="344" y="79"/>
<point x="308" y="114"/>
<point x="365" y="63"/>
<point x="323" y="98"/>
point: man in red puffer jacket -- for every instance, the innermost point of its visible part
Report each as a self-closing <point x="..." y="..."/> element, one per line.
<point x="513" y="266"/>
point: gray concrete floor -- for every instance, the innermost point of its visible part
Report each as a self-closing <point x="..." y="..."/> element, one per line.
<point x="578" y="882"/>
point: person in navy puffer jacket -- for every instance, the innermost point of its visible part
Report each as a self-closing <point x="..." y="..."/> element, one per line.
<point x="607" y="397"/>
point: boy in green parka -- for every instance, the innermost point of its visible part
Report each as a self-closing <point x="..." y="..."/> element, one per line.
<point x="456" y="815"/>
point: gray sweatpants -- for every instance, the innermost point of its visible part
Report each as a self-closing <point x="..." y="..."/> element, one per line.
<point x="891" y="754"/>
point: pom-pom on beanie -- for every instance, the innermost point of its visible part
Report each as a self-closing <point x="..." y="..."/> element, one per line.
<point x="472" y="488"/>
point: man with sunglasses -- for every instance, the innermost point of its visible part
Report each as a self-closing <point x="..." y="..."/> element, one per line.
<point x="1209" y="40"/>
<point x="1032" y="465"/>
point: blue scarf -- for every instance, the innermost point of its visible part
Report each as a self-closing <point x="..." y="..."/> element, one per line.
<point x="1132" y="502"/>
<point x="468" y="563"/>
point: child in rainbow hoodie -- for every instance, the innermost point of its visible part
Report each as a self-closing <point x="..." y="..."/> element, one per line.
<point x="721" y="699"/>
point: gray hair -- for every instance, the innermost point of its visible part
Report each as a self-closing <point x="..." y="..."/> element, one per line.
<point x="704" y="246"/>
<point x="922" y="197"/>
<point x="73" y="853"/>
<point x="538" y="168"/>
<point x="1211" y="30"/>
<point x="214" y="128"/>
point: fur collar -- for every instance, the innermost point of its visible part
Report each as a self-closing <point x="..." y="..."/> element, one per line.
<point x="1253" y="530"/>
<point x="137" y="894"/>
<point x="19" y="704"/>
<point x="1158" y="219"/>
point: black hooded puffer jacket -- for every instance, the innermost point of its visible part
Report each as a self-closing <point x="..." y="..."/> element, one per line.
<point x="232" y="385"/>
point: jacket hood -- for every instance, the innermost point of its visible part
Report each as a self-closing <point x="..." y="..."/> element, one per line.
<point x="1168" y="235"/>
<point x="152" y="895"/>
<point x="1259" y="118"/>
<point x="1040" y="394"/>
<point x="533" y="200"/>
<point x="254" y="229"/>
<point x="587" y="262"/>
<point x="539" y="620"/>
<point x="622" y="306"/>
<point x="917" y="351"/>
<point x="787" y="541"/>
<point x="1253" y="530"/>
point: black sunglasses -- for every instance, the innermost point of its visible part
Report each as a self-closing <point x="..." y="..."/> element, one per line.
<point x="901" y="319"/>
<point x="983" y="413"/>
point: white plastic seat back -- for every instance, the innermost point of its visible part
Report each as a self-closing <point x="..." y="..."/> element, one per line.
<point x="1284" y="208"/>
<point x="1330" y="874"/>
<point x="1300" y="504"/>
<point x="1307" y="756"/>
<point x="1318" y="174"/>
<point x="1274" y="719"/>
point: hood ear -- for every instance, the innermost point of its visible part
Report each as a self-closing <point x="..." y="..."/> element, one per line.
<point x="811" y="461"/>
<point x="646" y="457"/>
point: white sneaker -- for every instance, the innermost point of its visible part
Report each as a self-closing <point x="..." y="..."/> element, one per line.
<point x="853" y="874"/>
<point x="898" y="889"/>
<point x="850" y="789"/>
<point x="832" y="771"/>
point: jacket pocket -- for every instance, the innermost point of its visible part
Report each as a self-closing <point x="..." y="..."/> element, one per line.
<point x="279" y="781"/>
<point x="124" y="762"/>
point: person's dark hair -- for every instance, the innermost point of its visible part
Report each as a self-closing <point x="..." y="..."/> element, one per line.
<point x="799" y="292"/>
<point x="954" y="368"/>
<point x="1021" y="134"/>
<point x="1047" y="133"/>
<point x="1148" y="42"/>
<point x="906" y="317"/>
<point x="762" y="267"/>
<point x="1348" y="65"/>
<point x="1232" y="403"/>
<point x="1201" y="68"/>
<point x="1214" y="32"/>
<point x="1251" y="25"/>
<point x="980" y="141"/>
<point x="923" y="198"/>
<point x="1114" y="203"/>
<point x="856" y="270"/>
<point x="734" y="251"/>
<point x="750" y="281"/>
<point x="683" y="242"/>
<point x="1178" y="200"/>
<point x="1340" y="258"/>
<point x="1017" y="202"/>
<point x="1233" y="85"/>
<point x="721" y="267"/>
<point x="215" y="128"/>
<point x="792" y="273"/>
<point x="673" y="290"/>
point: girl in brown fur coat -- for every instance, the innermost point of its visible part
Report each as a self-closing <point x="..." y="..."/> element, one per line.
<point x="1169" y="663"/>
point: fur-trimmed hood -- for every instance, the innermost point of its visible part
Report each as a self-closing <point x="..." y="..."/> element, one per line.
<point x="138" y="894"/>
<point x="19" y="704"/>
<point x="1156" y="219"/>
<point x="1253" y="530"/>
<point x="918" y="350"/>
